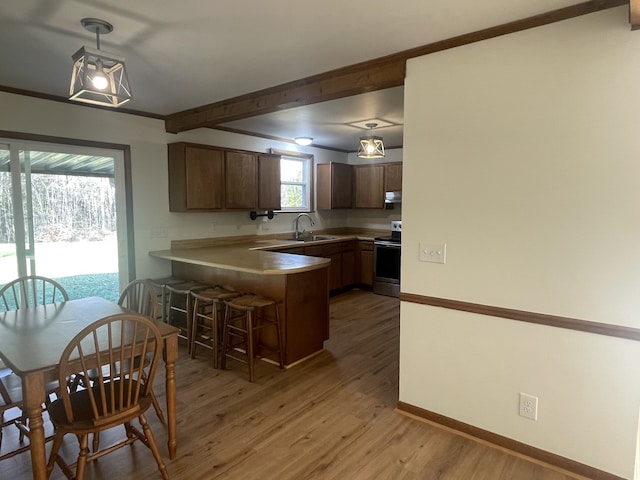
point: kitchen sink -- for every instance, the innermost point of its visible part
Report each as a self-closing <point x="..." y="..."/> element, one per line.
<point x="310" y="238"/>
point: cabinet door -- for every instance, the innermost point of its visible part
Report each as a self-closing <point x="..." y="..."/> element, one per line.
<point x="368" y="181"/>
<point x="332" y="251"/>
<point x="365" y="263"/>
<point x="393" y="177"/>
<point x="241" y="180"/>
<point x="334" y="186"/>
<point x="269" y="178"/>
<point x="349" y="265"/>
<point x="195" y="178"/>
<point x="341" y="185"/>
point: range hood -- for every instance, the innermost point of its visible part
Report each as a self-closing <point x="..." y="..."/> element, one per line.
<point x="393" y="197"/>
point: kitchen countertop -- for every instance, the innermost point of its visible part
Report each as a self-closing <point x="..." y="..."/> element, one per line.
<point x="248" y="254"/>
<point x="243" y="259"/>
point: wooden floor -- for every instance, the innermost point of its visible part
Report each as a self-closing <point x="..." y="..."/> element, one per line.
<point x="330" y="417"/>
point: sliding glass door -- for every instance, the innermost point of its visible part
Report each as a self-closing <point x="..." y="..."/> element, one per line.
<point x="59" y="216"/>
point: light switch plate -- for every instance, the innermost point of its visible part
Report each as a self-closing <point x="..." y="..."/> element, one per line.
<point x="432" y="252"/>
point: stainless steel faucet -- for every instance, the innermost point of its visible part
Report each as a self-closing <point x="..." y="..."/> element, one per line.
<point x="297" y="233"/>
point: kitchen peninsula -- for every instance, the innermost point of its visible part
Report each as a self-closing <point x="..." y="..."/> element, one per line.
<point x="299" y="283"/>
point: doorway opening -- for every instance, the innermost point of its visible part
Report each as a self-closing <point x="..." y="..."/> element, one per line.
<point x="60" y="216"/>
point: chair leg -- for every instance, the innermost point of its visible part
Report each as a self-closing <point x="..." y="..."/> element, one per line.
<point x="156" y="404"/>
<point x="217" y="325"/>
<point x="82" y="458"/>
<point x="279" y="334"/>
<point x="153" y="446"/>
<point x="22" y="426"/>
<point x="157" y="407"/>
<point x="57" y="443"/>
<point x="250" y="342"/>
<point x="225" y="339"/>
<point x="96" y="442"/>
<point x="193" y="328"/>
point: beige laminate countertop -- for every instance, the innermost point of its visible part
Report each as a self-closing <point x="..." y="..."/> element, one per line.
<point x="243" y="258"/>
<point x="250" y="256"/>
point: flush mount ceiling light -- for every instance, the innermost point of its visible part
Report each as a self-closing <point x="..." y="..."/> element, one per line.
<point x="303" y="140"/>
<point x="371" y="146"/>
<point x="98" y="77"/>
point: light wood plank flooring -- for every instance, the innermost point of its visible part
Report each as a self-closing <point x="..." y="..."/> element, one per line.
<point x="331" y="417"/>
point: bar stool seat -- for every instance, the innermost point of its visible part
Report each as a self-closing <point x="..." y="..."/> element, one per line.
<point x="180" y="307"/>
<point x="207" y="318"/>
<point x="245" y="316"/>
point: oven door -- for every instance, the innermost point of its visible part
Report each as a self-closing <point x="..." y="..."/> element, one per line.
<point x="386" y="268"/>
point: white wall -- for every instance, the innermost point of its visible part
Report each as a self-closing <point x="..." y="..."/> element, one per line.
<point x="521" y="154"/>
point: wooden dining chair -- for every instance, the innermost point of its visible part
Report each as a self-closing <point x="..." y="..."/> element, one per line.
<point x="10" y="407"/>
<point x="24" y="292"/>
<point x="30" y="291"/>
<point x="110" y="345"/>
<point x="141" y="297"/>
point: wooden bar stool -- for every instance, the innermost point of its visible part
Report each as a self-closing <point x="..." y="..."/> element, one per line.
<point x="207" y="319"/>
<point x="180" y="307"/>
<point x="244" y="317"/>
<point x="160" y="284"/>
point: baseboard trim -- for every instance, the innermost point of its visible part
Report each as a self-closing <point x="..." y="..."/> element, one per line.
<point x="556" y="462"/>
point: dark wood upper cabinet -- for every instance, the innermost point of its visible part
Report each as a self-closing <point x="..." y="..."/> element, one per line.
<point x="196" y="178"/>
<point x="334" y="186"/>
<point x="241" y="180"/>
<point x="393" y="177"/>
<point x="205" y="178"/>
<point x="368" y="186"/>
<point x="269" y="191"/>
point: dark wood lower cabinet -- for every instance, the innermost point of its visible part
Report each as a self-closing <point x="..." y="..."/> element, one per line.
<point x="303" y="303"/>
<point x="343" y="271"/>
<point x="349" y="265"/>
<point x="365" y="263"/>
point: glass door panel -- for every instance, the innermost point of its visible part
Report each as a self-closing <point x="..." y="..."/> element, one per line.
<point x="8" y="251"/>
<point x="60" y="221"/>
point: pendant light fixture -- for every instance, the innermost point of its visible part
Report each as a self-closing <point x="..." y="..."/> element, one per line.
<point x="99" y="77"/>
<point x="371" y="146"/>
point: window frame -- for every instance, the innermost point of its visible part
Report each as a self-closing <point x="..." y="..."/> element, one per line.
<point x="309" y="160"/>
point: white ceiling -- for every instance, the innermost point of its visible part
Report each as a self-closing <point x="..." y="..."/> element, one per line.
<point x="187" y="53"/>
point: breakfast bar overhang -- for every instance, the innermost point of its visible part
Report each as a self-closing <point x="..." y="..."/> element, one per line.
<point x="298" y="283"/>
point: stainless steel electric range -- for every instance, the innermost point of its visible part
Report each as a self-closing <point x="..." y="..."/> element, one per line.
<point x="386" y="262"/>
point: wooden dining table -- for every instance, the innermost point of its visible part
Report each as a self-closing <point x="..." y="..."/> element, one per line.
<point x="31" y="342"/>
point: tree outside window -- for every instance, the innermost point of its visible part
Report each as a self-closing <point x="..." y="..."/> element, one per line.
<point x="295" y="184"/>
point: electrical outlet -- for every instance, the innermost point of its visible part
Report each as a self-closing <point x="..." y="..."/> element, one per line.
<point x="528" y="406"/>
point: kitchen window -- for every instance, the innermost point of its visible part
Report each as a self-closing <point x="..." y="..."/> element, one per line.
<point x="295" y="181"/>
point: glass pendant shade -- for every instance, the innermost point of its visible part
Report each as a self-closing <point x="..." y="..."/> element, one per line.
<point x="98" y="77"/>
<point x="371" y="146"/>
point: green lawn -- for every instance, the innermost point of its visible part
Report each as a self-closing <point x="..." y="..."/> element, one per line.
<point x="103" y="285"/>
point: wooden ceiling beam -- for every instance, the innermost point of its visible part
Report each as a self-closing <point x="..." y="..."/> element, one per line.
<point x="344" y="82"/>
<point x="377" y="74"/>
